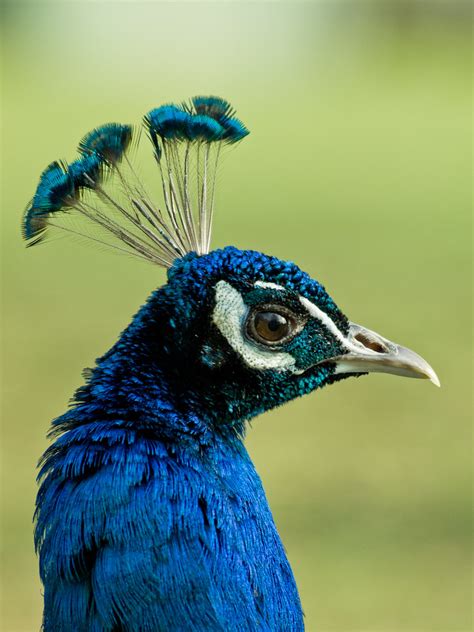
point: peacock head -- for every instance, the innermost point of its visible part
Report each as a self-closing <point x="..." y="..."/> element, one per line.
<point x="236" y="332"/>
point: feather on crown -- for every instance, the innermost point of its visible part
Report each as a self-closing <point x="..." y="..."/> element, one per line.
<point x="187" y="139"/>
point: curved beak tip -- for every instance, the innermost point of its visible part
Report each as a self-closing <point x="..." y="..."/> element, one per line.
<point x="433" y="378"/>
<point x="371" y="352"/>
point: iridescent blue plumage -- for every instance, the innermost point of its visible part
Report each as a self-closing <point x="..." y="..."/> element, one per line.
<point x="150" y="516"/>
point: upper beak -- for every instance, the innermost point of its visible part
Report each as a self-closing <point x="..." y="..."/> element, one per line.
<point x="369" y="352"/>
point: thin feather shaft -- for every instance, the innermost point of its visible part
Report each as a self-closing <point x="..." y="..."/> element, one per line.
<point x="169" y="206"/>
<point x="66" y="229"/>
<point x="187" y="201"/>
<point x="136" y="221"/>
<point x="143" y="193"/>
<point x="213" y="190"/>
<point x="161" y="225"/>
<point x="175" y="205"/>
<point x="118" y="231"/>
<point x="184" y="211"/>
<point x="204" y="227"/>
<point x="164" y="244"/>
<point x="198" y="191"/>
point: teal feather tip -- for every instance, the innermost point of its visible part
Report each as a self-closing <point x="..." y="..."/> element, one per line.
<point x="87" y="172"/>
<point x="169" y="122"/>
<point x="109" y="142"/>
<point x="54" y="189"/>
<point x="205" y="119"/>
<point x="59" y="188"/>
<point x="221" y="111"/>
<point x="215" y="107"/>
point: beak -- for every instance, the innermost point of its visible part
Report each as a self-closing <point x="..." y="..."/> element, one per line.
<point x="369" y="352"/>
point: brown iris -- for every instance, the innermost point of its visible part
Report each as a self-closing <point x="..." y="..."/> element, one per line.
<point x="269" y="326"/>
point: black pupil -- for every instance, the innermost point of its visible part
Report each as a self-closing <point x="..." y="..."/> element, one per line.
<point x="271" y="326"/>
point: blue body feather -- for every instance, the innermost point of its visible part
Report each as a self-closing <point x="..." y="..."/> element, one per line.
<point x="150" y="515"/>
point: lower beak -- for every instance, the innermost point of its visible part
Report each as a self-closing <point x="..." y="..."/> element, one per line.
<point x="368" y="352"/>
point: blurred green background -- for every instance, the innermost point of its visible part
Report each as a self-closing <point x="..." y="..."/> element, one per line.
<point x="358" y="168"/>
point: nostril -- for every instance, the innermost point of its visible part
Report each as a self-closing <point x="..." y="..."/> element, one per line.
<point x="374" y="345"/>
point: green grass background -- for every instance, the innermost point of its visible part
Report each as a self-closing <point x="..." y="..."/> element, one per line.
<point x="358" y="168"/>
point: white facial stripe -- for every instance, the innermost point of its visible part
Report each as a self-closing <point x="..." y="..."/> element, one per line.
<point x="349" y="344"/>
<point x="314" y="311"/>
<point x="270" y="286"/>
<point x="229" y="316"/>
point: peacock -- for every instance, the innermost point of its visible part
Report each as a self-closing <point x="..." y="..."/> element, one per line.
<point x="150" y="516"/>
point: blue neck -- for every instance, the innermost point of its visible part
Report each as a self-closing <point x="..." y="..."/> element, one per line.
<point x="141" y="496"/>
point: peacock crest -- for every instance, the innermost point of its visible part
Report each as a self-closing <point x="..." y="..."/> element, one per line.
<point x="100" y="195"/>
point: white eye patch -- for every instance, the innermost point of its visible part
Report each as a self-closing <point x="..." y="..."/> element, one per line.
<point x="229" y="315"/>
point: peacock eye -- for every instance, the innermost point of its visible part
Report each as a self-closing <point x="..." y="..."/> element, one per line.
<point x="271" y="325"/>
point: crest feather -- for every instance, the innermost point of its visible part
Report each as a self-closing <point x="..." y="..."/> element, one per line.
<point x="109" y="141"/>
<point x="186" y="138"/>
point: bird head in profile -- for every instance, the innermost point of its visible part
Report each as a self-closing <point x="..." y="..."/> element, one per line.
<point x="239" y="332"/>
<point x="234" y="332"/>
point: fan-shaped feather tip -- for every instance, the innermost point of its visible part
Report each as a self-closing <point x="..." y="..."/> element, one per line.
<point x="215" y="107"/>
<point x="59" y="187"/>
<point x="33" y="226"/>
<point x="169" y="122"/>
<point x="87" y="171"/>
<point x="202" y="127"/>
<point x="55" y="185"/>
<point x="221" y="111"/>
<point x="206" y="119"/>
<point x="109" y="142"/>
<point x="54" y="188"/>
